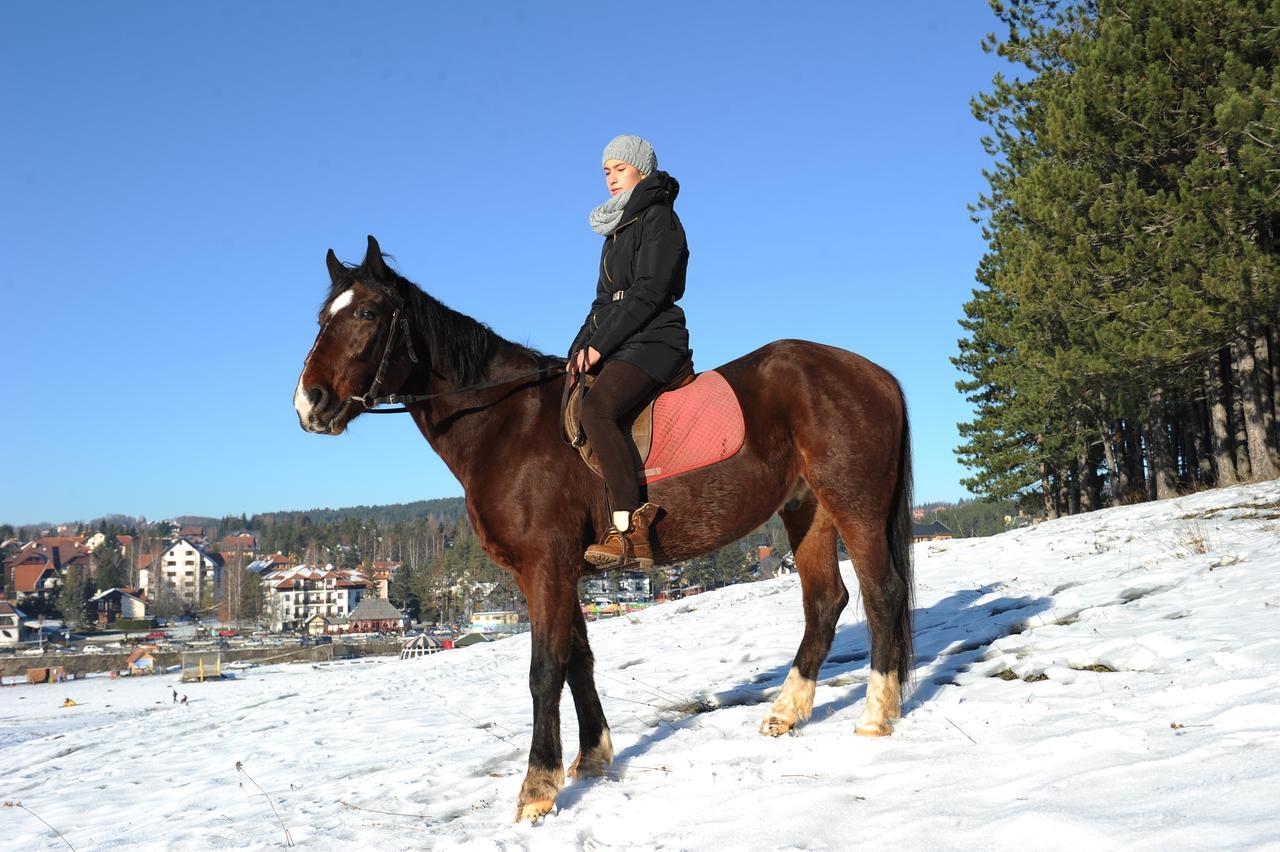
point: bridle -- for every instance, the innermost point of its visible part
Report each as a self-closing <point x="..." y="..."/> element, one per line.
<point x="400" y="323"/>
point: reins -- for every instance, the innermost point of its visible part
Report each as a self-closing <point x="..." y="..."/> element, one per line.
<point x="370" y="399"/>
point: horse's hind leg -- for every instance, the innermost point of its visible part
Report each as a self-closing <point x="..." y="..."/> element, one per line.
<point x="885" y="600"/>
<point x="813" y="541"/>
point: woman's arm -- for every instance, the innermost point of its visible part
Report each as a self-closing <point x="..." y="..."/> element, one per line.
<point x="602" y="298"/>
<point x="658" y="258"/>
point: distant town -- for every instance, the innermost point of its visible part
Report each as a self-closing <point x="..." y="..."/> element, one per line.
<point x="411" y="574"/>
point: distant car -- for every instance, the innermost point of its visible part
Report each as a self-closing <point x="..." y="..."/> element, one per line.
<point x="158" y="634"/>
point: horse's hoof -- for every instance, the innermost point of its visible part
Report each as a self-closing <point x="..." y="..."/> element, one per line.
<point x="587" y="767"/>
<point x="593" y="762"/>
<point x="776" y="726"/>
<point x="534" y="811"/>
<point x="538" y="794"/>
<point x="873" y="729"/>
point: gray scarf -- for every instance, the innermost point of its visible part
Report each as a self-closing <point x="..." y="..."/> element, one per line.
<point x="606" y="218"/>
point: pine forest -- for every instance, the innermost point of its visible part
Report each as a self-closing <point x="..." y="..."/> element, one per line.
<point x="1122" y="343"/>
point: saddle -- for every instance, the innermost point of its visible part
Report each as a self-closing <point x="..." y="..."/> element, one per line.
<point x="694" y="421"/>
<point x="641" y="430"/>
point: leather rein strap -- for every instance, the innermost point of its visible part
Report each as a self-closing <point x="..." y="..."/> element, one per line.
<point x="370" y="399"/>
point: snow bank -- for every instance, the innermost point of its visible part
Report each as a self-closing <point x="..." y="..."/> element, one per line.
<point x="1108" y="680"/>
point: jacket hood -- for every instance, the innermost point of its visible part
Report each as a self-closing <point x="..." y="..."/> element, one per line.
<point x="657" y="188"/>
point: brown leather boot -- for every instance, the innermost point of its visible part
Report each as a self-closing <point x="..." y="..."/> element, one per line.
<point x="626" y="549"/>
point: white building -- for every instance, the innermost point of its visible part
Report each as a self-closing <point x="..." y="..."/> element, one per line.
<point x="183" y="569"/>
<point x="12" y="630"/>
<point x="294" y="595"/>
<point x="497" y="621"/>
<point x="119" y="603"/>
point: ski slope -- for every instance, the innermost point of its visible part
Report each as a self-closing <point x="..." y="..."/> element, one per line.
<point x="1110" y="680"/>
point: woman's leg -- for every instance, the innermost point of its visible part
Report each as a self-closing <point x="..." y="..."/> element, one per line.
<point x="611" y="406"/>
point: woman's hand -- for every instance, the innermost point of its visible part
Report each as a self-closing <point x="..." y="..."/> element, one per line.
<point x="582" y="360"/>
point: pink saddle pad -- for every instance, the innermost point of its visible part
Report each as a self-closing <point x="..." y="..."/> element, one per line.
<point x="697" y="425"/>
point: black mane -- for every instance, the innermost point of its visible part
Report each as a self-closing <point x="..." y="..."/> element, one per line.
<point x="455" y="344"/>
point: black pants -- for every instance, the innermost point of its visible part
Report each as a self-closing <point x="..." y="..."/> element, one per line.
<point x="617" y="397"/>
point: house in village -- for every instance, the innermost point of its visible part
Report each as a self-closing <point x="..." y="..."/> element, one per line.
<point x="293" y="596"/>
<point x="39" y="566"/>
<point x="768" y="564"/>
<point x="142" y="661"/>
<point x="383" y="572"/>
<point x="264" y="565"/>
<point x="497" y="621"/>
<point x="242" y="543"/>
<point x="936" y="531"/>
<point x="631" y="586"/>
<point x="120" y="603"/>
<point x="195" y="535"/>
<point x="12" y="630"/>
<point x="376" y="615"/>
<point x="36" y="579"/>
<point x="183" y="569"/>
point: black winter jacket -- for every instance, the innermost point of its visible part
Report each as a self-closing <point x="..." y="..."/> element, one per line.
<point x="645" y="259"/>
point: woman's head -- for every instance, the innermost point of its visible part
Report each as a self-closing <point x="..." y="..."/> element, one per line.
<point x="627" y="161"/>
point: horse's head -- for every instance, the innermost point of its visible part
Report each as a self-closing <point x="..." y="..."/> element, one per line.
<point x="355" y="340"/>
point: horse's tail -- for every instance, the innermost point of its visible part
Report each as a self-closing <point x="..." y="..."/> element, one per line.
<point x="898" y="531"/>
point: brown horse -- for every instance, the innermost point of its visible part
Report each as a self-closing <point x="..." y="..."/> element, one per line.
<point x="826" y="447"/>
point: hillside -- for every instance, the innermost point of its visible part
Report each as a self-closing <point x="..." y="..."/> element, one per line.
<point x="1106" y="680"/>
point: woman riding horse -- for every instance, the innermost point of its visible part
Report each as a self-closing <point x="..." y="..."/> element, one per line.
<point x="634" y="338"/>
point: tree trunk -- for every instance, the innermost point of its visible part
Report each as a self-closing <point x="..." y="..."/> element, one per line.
<point x="1073" y="488"/>
<point x="1046" y="485"/>
<point x="1266" y="389"/>
<point x="1197" y="428"/>
<point x="1261" y="464"/>
<point x="1217" y="393"/>
<point x="1137" y="489"/>
<point x="1117" y="477"/>
<point x="1239" y="437"/>
<point x="1090" y="483"/>
<point x="1177" y="429"/>
<point x="1159" y="456"/>
<point x="1273" y="346"/>
<point x="1062" y="491"/>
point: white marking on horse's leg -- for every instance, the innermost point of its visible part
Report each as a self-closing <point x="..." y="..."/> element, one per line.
<point x="594" y="761"/>
<point x="884" y="700"/>
<point x="794" y="704"/>
<point x="538" y="794"/>
<point x="342" y="301"/>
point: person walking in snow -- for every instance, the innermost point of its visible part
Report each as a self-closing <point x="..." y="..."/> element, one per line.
<point x="634" y="339"/>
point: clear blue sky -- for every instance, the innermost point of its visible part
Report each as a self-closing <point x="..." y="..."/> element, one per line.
<point x="171" y="176"/>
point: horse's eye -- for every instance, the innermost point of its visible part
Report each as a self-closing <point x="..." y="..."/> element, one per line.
<point x="366" y="314"/>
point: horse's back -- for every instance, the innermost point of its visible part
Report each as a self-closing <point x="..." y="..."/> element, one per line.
<point x="793" y="372"/>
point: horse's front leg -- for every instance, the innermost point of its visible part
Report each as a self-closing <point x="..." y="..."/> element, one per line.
<point x="595" y="749"/>
<point x="552" y="602"/>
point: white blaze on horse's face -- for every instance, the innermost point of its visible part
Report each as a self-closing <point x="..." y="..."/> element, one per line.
<point x="301" y="402"/>
<point x="342" y="301"/>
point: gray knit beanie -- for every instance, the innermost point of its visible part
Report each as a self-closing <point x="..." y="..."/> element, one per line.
<point x="633" y="150"/>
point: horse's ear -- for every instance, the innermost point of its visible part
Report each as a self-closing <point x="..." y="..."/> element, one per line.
<point x="373" y="260"/>
<point x="336" y="269"/>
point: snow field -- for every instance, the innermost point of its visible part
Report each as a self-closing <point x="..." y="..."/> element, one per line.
<point x="1108" y="680"/>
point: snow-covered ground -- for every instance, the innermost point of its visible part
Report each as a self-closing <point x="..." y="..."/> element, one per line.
<point x="1139" y="708"/>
